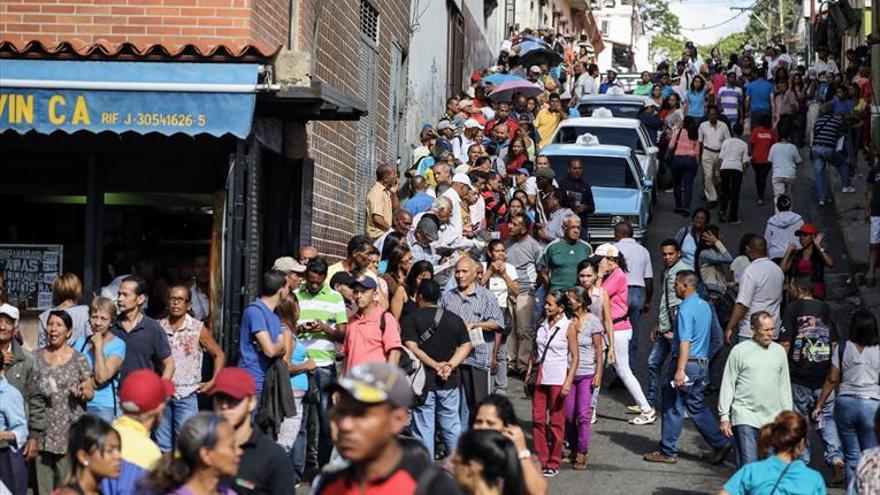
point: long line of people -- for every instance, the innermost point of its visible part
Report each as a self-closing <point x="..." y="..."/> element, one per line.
<point x="475" y="273"/>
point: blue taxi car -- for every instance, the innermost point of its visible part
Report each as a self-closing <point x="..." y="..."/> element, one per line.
<point x="620" y="189"/>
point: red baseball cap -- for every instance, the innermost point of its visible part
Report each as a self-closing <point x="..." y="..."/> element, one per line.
<point x="476" y="76"/>
<point x="143" y="391"/>
<point x="807" y="229"/>
<point x="234" y="382"/>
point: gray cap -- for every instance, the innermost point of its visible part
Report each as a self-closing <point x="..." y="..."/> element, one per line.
<point x="376" y="383"/>
<point x="429" y="226"/>
<point x="547" y="173"/>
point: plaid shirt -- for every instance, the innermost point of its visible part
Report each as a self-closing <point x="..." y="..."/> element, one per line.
<point x="480" y="306"/>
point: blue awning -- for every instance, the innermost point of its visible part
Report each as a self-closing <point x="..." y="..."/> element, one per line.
<point x="143" y="97"/>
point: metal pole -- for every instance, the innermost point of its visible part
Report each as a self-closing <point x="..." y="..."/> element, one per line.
<point x="875" y="76"/>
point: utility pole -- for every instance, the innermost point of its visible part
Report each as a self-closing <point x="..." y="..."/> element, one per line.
<point x="875" y="76"/>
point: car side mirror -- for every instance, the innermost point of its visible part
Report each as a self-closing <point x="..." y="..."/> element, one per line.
<point x="648" y="183"/>
<point x="653" y="150"/>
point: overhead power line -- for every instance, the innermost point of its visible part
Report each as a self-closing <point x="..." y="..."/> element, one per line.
<point x="727" y="21"/>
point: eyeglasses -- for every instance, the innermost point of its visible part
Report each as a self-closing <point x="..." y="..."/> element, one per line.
<point x="178" y="300"/>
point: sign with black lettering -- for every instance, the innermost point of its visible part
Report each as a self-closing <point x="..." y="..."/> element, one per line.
<point x="29" y="270"/>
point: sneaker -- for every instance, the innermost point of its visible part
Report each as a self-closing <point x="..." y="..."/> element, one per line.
<point x="838" y="473"/>
<point x="549" y="472"/>
<point x="658" y="457"/>
<point x="735" y="222"/>
<point x="645" y="418"/>
<point x="822" y="203"/>
<point x="633" y="409"/>
<point x="760" y="201"/>
<point x="848" y="190"/>
<point x="721" y="454"/>
<point x="594" y="418"/>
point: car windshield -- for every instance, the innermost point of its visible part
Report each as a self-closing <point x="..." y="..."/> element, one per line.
<point x="606" y="135"/>
<point x="602" y="171"/>
<point x="618" y="109"/>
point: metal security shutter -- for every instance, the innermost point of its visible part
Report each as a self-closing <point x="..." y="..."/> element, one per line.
<point x="368" y="77"/>
<point x="395" y="90"/>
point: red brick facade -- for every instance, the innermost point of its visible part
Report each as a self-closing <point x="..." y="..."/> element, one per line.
<point x="141" y="22"/>
<point x="333" y="144"/>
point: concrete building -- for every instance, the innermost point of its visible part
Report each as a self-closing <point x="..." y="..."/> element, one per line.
<point x="621" y="29"/>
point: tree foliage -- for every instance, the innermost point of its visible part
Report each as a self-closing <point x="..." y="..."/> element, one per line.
<point x="764" y="23"/>
<point x="657" y="19"/>
<point x="731" y="43"/>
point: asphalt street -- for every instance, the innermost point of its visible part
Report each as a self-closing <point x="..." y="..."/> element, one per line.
<point x="615" y="464"/>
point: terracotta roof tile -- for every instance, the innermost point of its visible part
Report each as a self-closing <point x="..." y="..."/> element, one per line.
<point x="104" y="50"/>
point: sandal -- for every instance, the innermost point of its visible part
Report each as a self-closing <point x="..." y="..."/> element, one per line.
<point x="645" y="418"/>
<point x="580" y="462"/>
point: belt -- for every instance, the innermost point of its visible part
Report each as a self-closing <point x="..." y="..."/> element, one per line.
<point x="618" y="320"/>
<point x="636" y="286"/>
<point x="698" y="360"/>
<point x="710" y="149"/>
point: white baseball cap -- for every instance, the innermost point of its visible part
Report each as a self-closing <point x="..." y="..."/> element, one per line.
<point x="607" y="250"/>
<point x="462" y="179"/>
<point x="471" y="123"/>
<point x="10" y="311"/>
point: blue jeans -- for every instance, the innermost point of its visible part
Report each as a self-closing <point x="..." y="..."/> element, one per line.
<point x="684" y="170"/>
<point x="298" y="453"/>
<point x="324" y="376"/>
<point x="659" y="353"/>
<point x="105" y="413"/>
<point x="540" y="299"/>
<point x="804" y="399"/>
<point x="177" y="411"/>
<point x="745" y="439"/>
<point x="855" y="425"/>
<point x="441" y="406"/>
<point x="500" y="382"/>
<point x="689" y="398"/>
<point x="821" y="156"/>
<point x="636" y="302"/>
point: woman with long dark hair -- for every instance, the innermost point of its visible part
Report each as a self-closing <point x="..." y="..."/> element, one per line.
<point x="555" y="358"/>
<point x="404" y="300"/>
<point x="600" y="305"/>
<point x="855" y="367"/>
<point x="809" y="260"/>
<point x="685" y="147"/>
<point x="298" y="365"/>
<point x="695" y="99"/>
<point x="517" y="154"/>
<point x="94" y="450"/>
<point x="780" y="443"/>
<point x="487" y="463"/>
<point x="206" y="451"/>
<point x="398" y="262"/>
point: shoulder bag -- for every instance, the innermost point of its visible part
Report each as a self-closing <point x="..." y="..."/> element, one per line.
<point x="670" y="151"/>
<point x="531" y="381"/>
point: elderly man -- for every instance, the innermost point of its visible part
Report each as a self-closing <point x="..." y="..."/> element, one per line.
<point x="481" y="314"/>
<point x="293" y="269"/>
<point x="585" y="84"/>
<point x="462" y="143"/>
<point x="712" y="134"/>
<point x="755" y="388"/>
<point x="558" y="265"/>
<point x="401" y="222"/>
<point x="382" y="200"/>
<point x="461" y="185"/>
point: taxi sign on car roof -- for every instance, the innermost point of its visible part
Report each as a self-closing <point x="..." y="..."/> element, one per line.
<point x="602" y="113"/>
<point x="587" y="139"/>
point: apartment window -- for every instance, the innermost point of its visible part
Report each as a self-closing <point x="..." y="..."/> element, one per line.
<point x="604" y="27"/>
<point x="369" y="21"/>
<point x="610" y="4"/>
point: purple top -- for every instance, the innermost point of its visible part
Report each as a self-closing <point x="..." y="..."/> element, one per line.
<point x="222" y="490"/>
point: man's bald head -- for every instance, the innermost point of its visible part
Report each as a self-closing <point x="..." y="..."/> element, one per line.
<point x="466" y="273"/>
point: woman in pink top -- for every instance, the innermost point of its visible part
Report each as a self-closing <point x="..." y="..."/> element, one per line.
<point x="612" y="269"/>
<point x="556" y="353"/>
<point x="685" y="159"/>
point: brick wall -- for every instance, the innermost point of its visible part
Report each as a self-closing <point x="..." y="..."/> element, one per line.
<point x="169" y="22"/>
<point x="333" y="144"/>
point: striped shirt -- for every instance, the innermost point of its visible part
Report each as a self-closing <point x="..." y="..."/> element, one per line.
<point x="326" y="305"/>
<point x="729" y="99"/>
<point x="474" y="308"/>
<point x="827" y="131"/>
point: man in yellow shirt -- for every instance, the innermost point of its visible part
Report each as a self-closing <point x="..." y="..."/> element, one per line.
<point x="382" y="201"/>
<point x="548" y="119"/>
<point x="142" y="397"/>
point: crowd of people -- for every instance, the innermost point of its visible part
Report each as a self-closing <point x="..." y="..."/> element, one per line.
<point x="388" y="371"/>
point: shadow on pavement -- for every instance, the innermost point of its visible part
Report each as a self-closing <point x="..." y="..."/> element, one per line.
<point x="637" y="444"/>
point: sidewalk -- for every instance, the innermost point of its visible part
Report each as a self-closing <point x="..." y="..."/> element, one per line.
<point x="851" y="217"/>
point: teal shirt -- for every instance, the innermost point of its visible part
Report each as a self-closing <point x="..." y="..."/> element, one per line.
<point x="755" y="387"/>
<point x="562" y="259"/>
<point x="758" y="478"/>
<point x="299" y="381"/>
<point x="105" y="395"/>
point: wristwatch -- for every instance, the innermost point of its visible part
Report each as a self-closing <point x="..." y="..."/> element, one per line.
<point x="524" y="454"/>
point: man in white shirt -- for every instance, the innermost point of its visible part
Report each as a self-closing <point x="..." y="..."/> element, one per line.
<point x="463" y="142"/>
<point x="760" y="290"/>
<point x="586" y="81"/>
<point x="461" y="183"/>
<point x="711" y="134"/>
<point x="640" y="277"/>
<point x="825" y="67"/>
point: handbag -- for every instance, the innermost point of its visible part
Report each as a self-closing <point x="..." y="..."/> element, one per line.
<point x="531" y="381"/>
<point x="670" y="152"/>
